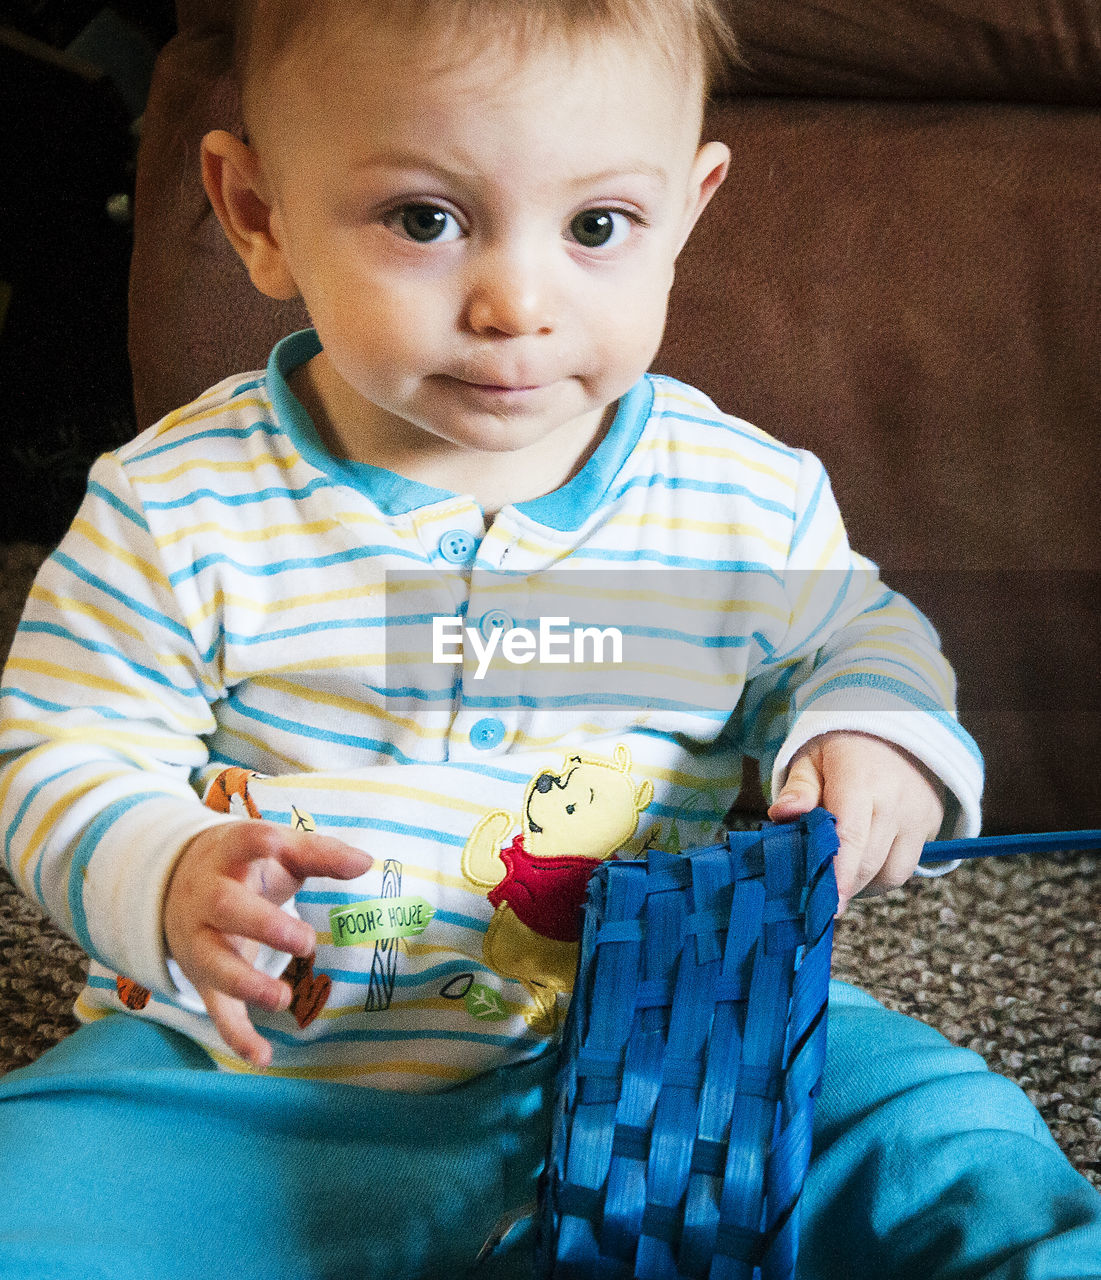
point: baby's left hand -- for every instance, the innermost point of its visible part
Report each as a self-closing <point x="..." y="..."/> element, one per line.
<point x="887" y="805"/>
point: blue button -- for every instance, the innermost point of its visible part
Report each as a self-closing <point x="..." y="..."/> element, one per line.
<point x="487" y="733"/>
<point x="493" y="618"/>
<point x="457" y="546"/>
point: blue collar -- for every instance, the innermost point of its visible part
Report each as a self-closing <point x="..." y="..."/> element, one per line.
<point x="564" y="509"/>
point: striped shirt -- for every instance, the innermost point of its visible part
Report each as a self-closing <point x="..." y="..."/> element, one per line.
<point x="230" y="595"/>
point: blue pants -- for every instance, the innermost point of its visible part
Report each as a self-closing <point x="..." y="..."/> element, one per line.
<point x="124" y="1155"/>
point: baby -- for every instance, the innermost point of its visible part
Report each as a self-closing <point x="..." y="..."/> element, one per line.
<point x="487" y="262"/>
<point x="481" y="204"/>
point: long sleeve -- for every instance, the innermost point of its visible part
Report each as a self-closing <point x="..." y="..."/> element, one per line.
<point x="106" y="699"/>
<point x="855" y="656"/>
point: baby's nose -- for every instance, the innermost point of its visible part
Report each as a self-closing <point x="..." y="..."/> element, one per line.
<point x="512" y="295"/>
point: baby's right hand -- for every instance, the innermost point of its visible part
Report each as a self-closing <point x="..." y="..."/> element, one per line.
<point x="224" y="899"/>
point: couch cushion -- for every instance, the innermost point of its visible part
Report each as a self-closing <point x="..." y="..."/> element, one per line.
<point x="1009" y="50"/>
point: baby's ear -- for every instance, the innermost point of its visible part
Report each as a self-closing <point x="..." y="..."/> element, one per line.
<point x="231" y="175"/>
<point x="708" y="172"/>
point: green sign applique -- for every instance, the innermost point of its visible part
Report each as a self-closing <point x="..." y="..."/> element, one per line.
<point x="362" y="924"/>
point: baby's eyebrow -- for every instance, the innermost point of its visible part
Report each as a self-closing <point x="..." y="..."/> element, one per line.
<point x="632" y="169"/>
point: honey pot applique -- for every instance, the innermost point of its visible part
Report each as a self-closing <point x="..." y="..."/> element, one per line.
<point x="570" y="822"/>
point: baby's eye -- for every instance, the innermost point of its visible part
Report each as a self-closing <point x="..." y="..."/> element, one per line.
<point x="600" y="228"/>
<point x="424" y="223"/>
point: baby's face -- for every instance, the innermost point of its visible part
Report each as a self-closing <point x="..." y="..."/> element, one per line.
<point x="487" y="249"/>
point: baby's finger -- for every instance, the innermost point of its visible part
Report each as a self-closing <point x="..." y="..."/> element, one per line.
<point x="307" y="855"/>
<point x="903" y="858"/>
<point x="226" y="972"/>
<point x="801" y="791"/>
<point x="240" y="912"/>
<point x="856" y="849"/>
<point x="235" y="1027"/>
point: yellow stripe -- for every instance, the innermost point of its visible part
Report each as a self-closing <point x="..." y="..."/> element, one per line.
<point x="936" y="675"/>
<point x="435" y="515"/>
<point x="265" y="749"/>
<point x="186" y="413"/>
<point x="870" y="665"/>
<point x="365" y="714"/>
<point x="718" y="527"/>
<point x="69" y="605"/>
<point x="571" y="583"/>
<point x="431" y="1003"/>
<point x="229" y="533"/>
<point x="346" y="1071"/>
<point x="59" y="807"/>
<point x="121" y="740"/>
<point x="365" y="786"/>
<point x="149" y="572"/>
<point x="224" y="468"/>
<point x="726" y="453"/>
<point x="91" y="1013"/>
<point x="220" y="600"/>
<point x="196" y="724"/>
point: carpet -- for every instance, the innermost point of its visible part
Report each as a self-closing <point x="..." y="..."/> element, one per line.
<point x="1003" y="956"/>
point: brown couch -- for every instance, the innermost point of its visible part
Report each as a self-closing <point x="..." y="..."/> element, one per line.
<point x="902" y="273"/>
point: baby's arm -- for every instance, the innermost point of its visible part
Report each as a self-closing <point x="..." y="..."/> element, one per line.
<point x="107" y="701"/>
<point x="852" y="707"/>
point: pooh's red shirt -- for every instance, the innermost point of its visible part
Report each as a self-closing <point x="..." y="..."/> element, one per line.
<point x="545" y="893"/>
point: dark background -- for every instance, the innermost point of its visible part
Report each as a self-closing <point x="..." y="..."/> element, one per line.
<point x="73" y="80"/>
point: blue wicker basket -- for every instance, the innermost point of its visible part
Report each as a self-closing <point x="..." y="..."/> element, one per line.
<point x="692" y="1055"/>
<point x="693" y="1052"/>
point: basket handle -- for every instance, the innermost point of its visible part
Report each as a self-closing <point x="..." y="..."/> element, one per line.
<point x="999" y="846"/>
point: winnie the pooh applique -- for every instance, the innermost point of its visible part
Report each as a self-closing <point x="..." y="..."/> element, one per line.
<point x="570" y="822"/>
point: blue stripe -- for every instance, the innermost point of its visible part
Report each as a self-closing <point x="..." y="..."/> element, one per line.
<point x="93" y="646"/>
<point x="349" y="556"/>
<point x="447" y="969"/>
<point x="823" y="622"/>
<point x="13" y="826"/>
<point x="44" y="704"/>
<point x="85" y="851"/>
<point x="135" y="606"/>
<point x="691" y="484"/>
<point x="640" y="554"/>
<point x="725" y="423"/>
<point x="363" y="822"/>
<point x="808" y="514"/>
<point x="408" y="691"/>
<point x="286" y="633"/>
<point x="409" y="1038"/>
<point x="298" y="729"/>
<point x="905" y="693"/>
<point x="233" y="433"/>
<point x="96" y="490"/>
<point x="596" y="700"/>
<point x="239" y="499"/>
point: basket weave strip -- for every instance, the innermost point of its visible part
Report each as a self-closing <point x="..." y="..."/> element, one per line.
<point x="693" y="1052"/>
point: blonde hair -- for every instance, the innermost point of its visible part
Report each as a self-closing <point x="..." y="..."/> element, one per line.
<point x="693" y="34"/>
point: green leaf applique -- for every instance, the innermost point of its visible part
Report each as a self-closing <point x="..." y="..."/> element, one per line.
<point x="485" y="1004"/>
